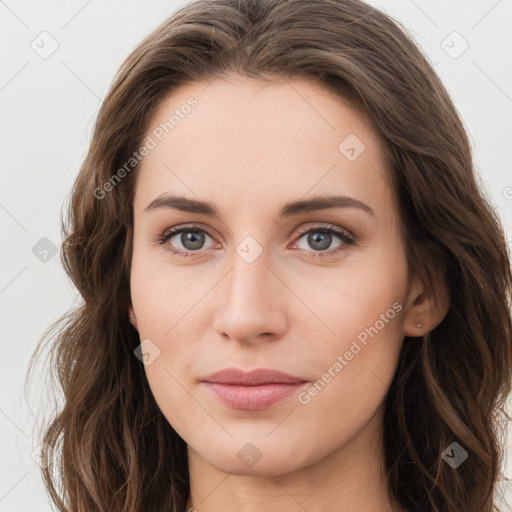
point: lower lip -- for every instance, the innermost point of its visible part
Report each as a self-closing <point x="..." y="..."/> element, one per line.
<point x="252" y="397"/>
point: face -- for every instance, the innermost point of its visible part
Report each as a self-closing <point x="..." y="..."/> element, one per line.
<point x="318" y="291"/>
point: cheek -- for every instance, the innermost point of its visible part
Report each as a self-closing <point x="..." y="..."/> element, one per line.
<point x="362" y="313"/>
<point x="158" y="297"/>
<point x="354" y="372"/>
<point x="173" y="397"/>
<point x="342" y="304"/>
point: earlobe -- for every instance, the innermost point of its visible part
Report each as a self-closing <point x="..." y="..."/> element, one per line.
<point x="423" y="314"/>
<point x="133" y="318"/>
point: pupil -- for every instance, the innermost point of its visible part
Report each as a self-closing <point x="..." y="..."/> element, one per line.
<point x="192" y="239"/>
<point x="324" y="238"/>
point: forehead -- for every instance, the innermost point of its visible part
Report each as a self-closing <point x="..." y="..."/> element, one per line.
<point x="242" y="138"/>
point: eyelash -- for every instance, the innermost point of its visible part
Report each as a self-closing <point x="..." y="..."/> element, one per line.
<point x="347" y="240"/>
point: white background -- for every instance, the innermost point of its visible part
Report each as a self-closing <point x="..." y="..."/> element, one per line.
<point x="48" y="107"/>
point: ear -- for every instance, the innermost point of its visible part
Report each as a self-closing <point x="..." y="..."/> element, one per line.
<point x="133" y="318"/>
<point x="422" y="313"/>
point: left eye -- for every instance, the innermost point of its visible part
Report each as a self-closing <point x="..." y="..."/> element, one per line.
<point x="321" y="239"/>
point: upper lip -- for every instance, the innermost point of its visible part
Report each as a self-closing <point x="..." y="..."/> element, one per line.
<point x="256" y="377"/>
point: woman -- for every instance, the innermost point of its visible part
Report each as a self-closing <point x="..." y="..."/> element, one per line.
<point x="295" y="296"/>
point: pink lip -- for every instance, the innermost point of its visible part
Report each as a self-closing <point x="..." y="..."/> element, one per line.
<point x="254" y="390"/>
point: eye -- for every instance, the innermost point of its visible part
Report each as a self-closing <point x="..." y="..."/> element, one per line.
<point x="191" y="239"/>
<point x="184" y="241"/>
<point x="320" y="239"/>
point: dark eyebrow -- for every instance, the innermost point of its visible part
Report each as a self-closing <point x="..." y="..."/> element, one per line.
<point x="289" y="209"/>
<point x="323" y="203"/>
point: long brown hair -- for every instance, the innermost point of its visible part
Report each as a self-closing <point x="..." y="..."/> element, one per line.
<point x="114" y="448"/>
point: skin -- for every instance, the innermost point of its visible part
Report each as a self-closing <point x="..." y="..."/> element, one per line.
<point x="249" y="148"/>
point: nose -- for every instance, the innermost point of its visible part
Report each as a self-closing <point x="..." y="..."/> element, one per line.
<point x="252" y="303"/>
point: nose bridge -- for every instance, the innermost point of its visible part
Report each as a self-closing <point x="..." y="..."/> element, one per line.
<point x="248" y="274"/>
<point x="249" y="261"/>
<point x="248" y="299"/>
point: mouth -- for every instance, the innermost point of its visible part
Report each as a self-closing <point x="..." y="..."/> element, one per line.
<point x="253" y="390"/>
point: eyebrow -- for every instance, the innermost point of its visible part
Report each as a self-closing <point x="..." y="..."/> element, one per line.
<point x="288" y="210"/>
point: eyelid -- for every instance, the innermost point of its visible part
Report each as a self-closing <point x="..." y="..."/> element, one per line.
<point x="300" y="231"/>
<point x="326" y="226"/>
<point x="185" y="227"/>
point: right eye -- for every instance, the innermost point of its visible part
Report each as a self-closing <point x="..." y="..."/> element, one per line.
<point x="191" y="238"/>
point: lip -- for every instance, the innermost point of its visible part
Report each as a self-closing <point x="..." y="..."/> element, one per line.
<point x="256" y="377"/>
<point x="254" y="390"/>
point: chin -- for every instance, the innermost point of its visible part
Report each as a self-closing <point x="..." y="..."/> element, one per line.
<point x="257" y="459"/>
